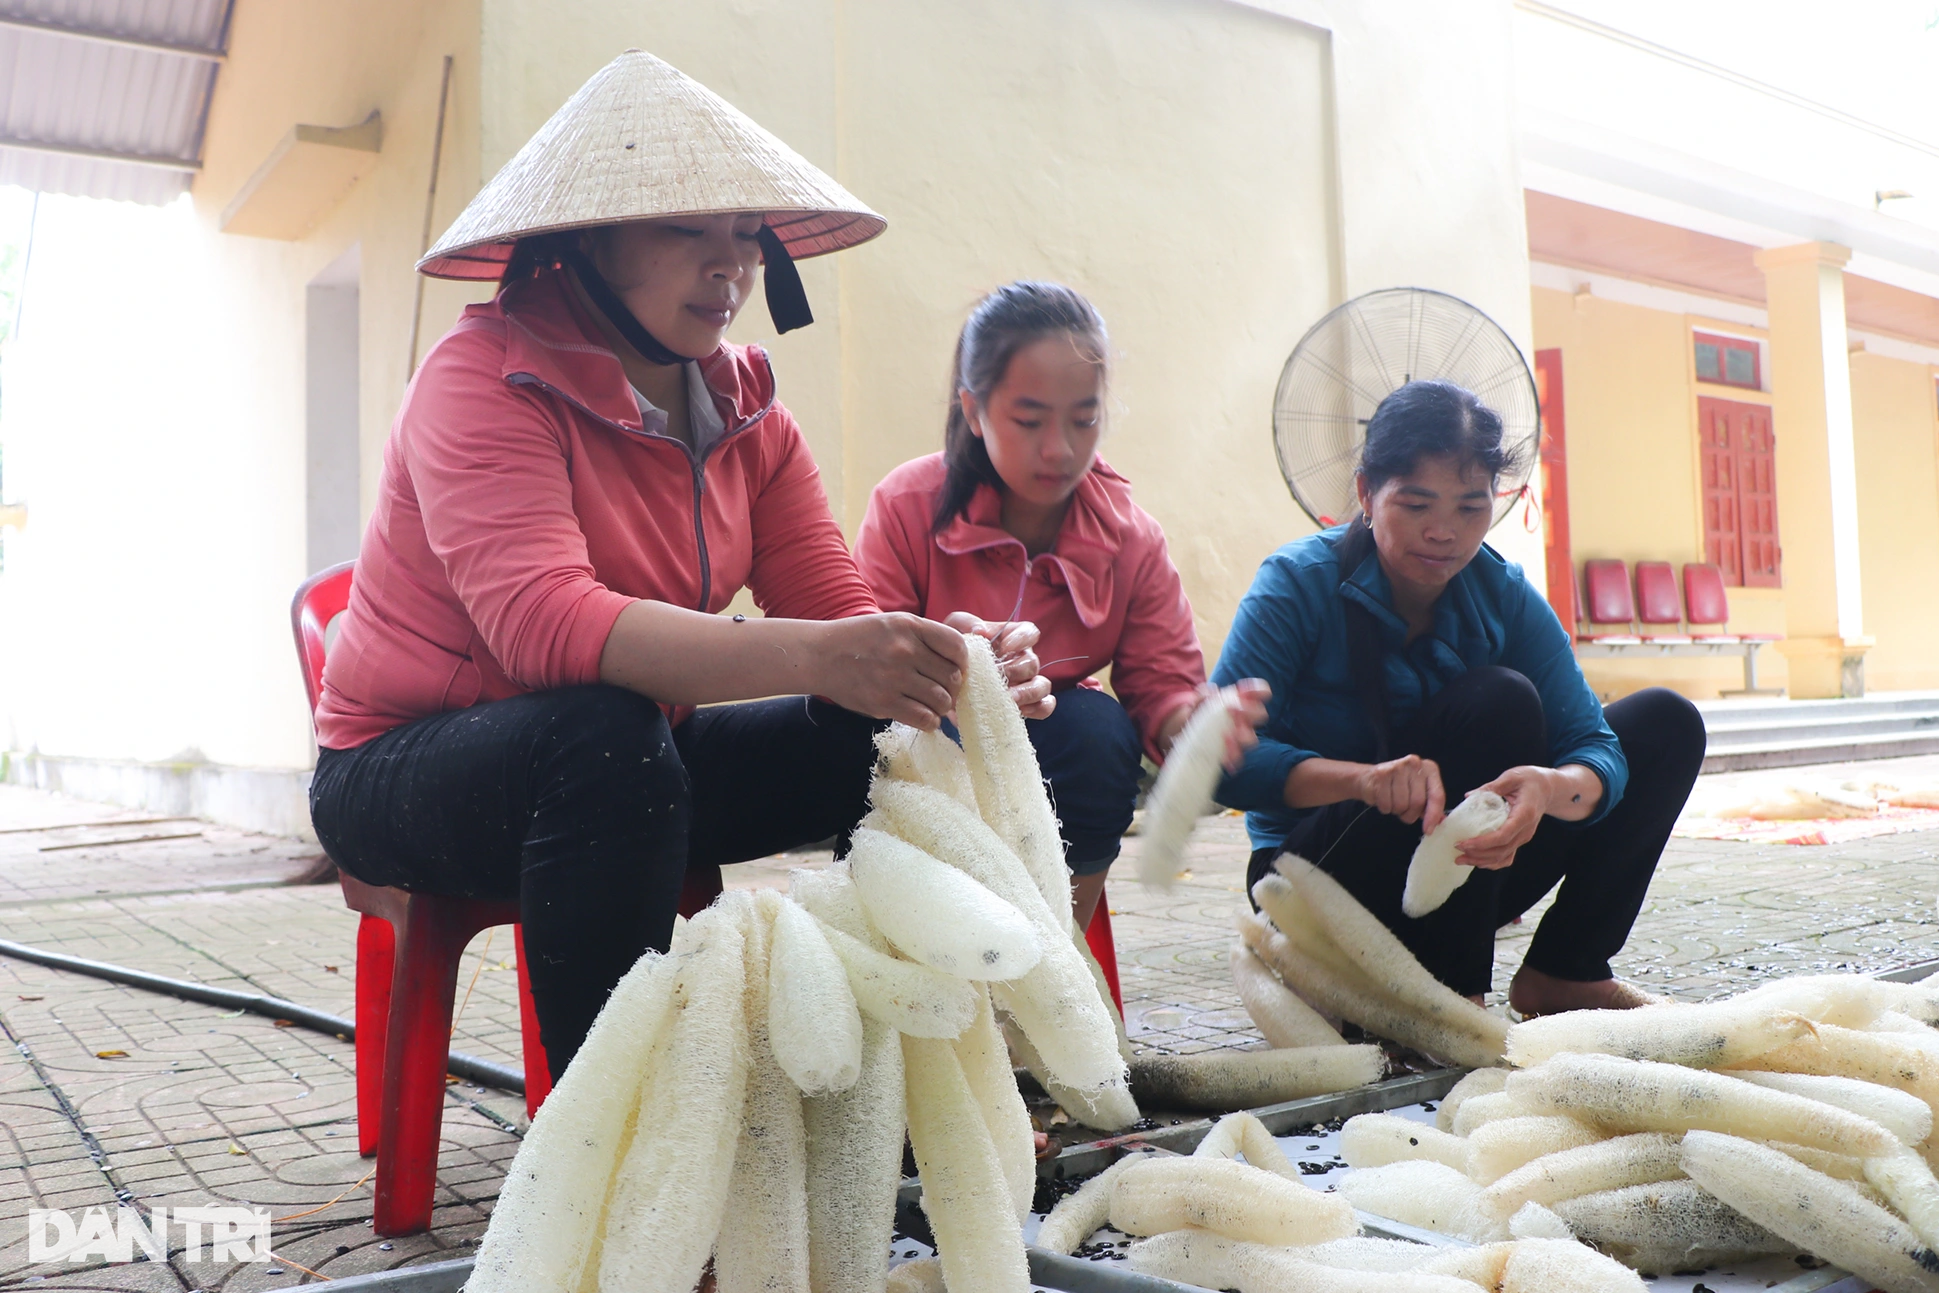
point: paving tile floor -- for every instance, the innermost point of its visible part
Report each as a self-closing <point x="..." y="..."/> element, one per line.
<point x="203" y="1107"/>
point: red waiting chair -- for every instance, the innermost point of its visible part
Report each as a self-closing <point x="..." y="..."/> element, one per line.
<point x="408" y="950"/>
<point x="1706" y="602"/>
<point x="1608" y="605"/>
<point x="1657" y="602"/>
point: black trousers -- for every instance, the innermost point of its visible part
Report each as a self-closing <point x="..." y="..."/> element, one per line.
<point x="1090" y="752"/>
<point x="1476" y="728"/>
<point x="586" y="807"/>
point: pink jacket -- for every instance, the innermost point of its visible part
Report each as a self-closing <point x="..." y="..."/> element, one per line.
<point x="522" y="507"/>
<point x="1105" y="594"/>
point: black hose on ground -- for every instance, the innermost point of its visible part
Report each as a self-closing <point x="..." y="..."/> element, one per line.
<point x="468" y="1067"/>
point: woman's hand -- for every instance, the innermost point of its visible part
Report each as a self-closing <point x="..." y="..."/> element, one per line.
<point x="1408" y="788"/>
<point x="1245" y="700"/>
<point x="1014" y="643"/>
<point x="894" y="666"/>
<point x="1570" y="792"/>
<point x="1528" y="791"/>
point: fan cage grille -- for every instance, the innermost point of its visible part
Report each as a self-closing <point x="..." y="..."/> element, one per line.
<point x="1369" y="347"/>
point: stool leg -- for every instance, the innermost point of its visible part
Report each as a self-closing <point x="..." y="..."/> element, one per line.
<point x="1105" y="948"/>
<point x="375" y="946"/>
<point x="538" y="1075"/>
<point x="702" y="885"/>
<point x="424" y="985"/>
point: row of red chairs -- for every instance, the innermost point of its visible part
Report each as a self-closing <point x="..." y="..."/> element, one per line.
<point x="1655" y="613"/>
<point x="408" y="949"/>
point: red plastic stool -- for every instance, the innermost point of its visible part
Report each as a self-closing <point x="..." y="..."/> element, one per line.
<point x="1105" y="948"/>
<point x="408" y="949"/>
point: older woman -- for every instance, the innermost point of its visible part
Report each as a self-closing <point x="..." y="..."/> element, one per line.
<point x="582" y="475"/>
<point x="1411" y="665"/>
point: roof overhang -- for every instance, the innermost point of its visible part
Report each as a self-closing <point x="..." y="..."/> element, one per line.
<point x="107" y="98"/>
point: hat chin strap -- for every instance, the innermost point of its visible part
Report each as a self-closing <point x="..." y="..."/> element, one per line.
<point x="787" y="302"/>
<point x="615" y="310"/>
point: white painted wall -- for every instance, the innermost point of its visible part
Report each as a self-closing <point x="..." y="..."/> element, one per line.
<point x="152" y="422"/>
<point x="333" y="518"/>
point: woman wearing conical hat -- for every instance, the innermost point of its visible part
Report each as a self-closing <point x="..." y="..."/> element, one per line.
<point x="583" y="473"/>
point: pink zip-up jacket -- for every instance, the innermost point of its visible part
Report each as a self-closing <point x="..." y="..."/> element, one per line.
<point x="523" y="506"/>
<point x="1106" y="592"/>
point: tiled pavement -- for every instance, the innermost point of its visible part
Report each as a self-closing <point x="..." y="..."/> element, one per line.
<point x="209" y="1108"/>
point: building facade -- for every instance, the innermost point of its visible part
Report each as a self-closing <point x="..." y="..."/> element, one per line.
<point x="196" y="404"/>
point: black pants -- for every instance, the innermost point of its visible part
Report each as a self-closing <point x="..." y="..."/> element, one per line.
<point x="1090" y="753"/>
<point x="1487" y="721"/>
<point x="582" y="804"/>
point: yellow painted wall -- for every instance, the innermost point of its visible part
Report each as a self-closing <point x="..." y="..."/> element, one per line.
<point x="1634" y="490"/>
<point x="1898" y="519"/>
<point x="1174" y="159"/>
<point x="1215" y="174"/>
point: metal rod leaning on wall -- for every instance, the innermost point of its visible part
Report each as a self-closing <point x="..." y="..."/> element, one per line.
<point x="430" y="210"/>
<point x="468" y="1067"/>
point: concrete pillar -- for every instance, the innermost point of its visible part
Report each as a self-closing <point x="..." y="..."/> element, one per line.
<point x="1817" y="476"/>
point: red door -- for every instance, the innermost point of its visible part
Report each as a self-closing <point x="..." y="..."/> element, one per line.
<point x="1739" y="491"/>
<point x="1757" y="495"/>
<point x="1555" y="488"/>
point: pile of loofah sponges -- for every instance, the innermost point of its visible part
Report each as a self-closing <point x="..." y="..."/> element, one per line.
<point x="1254" y="1226"/>
<point x="1796" y="1117"/>
<point x="1313" y="952"/>
<point x="743" y="1099"/>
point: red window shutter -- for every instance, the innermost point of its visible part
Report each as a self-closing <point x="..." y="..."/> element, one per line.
<point x="1723" y="544"/>
<point x="1757" y="495"/>
<point x="1555" y="488"/>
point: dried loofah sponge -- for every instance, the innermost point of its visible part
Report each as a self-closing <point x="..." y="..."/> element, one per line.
<point x="1642" y="1159"/>
<point x="1226" y="1197"/>
<point x="670" y="1191"/>
<point x="1422" y="1193"/>
<point x="1376" y="1139"/>
<point x="1667" y="1226"/>
<point x="1009" y="787"/>
<point x="1638" y="1095"/>
<point x="1548" y="1265"/>
<point x="1824" y="1217"/>
<point x="1282" y="1017"/>
<point x="1901" y="1113"/>
<point x="813" y="1022"/>
<point x="554" y="1196"/>
<point x="1183" y="792"/>
<point x="1215" y="1262"/>
<point x="1488" y="1081"/>
<point x="1241" y="1133"/>
<point x="1435" y="873"/>
<point x="1222" y="1080"/>
<point x="854" y="1170"/>
<point x="1714" y="1035"/>
<point x="1393" y="970"/>
<point x="1499" y="1147"/>
<point x="935" y="914"/>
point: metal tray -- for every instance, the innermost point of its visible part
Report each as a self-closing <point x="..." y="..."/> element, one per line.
<point x="1052" y="1270"/>
<point x="1074" y="1275"/>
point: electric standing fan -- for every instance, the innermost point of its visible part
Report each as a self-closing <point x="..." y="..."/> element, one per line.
<point x="1363" y="351"/>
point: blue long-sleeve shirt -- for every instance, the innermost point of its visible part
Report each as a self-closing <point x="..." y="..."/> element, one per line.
<point x="1291" y="631"/>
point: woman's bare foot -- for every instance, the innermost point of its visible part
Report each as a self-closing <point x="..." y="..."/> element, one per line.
<point x="1534" y="993"/>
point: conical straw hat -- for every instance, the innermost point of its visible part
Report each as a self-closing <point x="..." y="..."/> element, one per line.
<point x="640" y="140"/>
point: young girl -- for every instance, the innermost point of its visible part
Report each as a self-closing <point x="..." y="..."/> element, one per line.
<point x="1018" y="518"/>
<point x="583" y="473"/>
